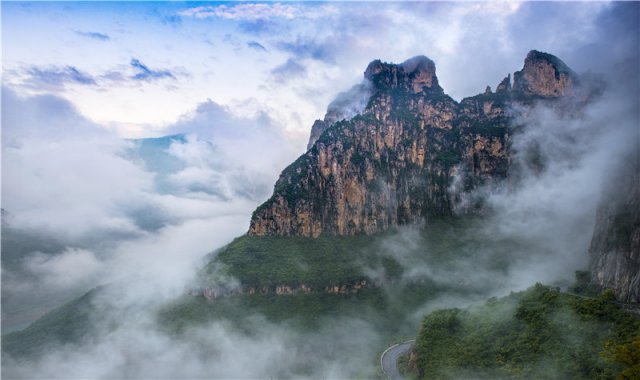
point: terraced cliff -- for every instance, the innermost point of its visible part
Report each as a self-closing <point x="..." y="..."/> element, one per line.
<point x="397" y="159"/>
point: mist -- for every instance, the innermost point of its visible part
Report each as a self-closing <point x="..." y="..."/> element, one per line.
<point x="537" y="228"/>
<point x="83" y="207"/>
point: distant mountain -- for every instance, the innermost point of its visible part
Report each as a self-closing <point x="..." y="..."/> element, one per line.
<point x="397" y="160"/>
<point x="155" y="154"/>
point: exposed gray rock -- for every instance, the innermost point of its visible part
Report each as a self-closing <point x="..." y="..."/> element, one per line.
<point x="615" y="247"/>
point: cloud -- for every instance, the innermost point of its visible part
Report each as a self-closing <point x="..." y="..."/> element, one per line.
<point x="64" y="174"/>
<point x="288" y="70"/>
<point x="55" y="162"/>
<point x="54" y="77"/>
<point x="260" y="11"/>
<point x="67" y="176"/>
<point x="256" y="46"/>
<point x="147" y="74"/>
<point x="99" y="206"/>
<point x="42" y="117"/>
<point x="94" y="35"/>
<point x="310" y="48"/>
<point x="69" y="269"/>
<point x="261" y="26"/>
<point x="216" y="148"/>
<point x="60" y="78"/>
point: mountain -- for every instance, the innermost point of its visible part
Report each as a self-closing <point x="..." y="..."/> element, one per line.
<point x="397" y="160"/>
<point x="323" y="257"/>
<point x="615" y="246"/>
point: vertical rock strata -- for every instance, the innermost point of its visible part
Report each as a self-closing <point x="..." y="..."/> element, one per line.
<point x="615" y="246"/>
<point x="396" y="159"/>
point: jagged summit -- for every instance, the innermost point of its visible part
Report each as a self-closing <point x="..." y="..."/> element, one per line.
<point x="394" y="159"/>
<point x="536" y="56"/>
<point x="417" y="74"/>
<point x="419" y="62"/>
<point x="545" y="75"/>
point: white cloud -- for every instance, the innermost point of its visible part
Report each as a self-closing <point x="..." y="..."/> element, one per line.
<point x="69" y="269"/>
<point x="258" y="11"/>
<point x="104" y="199"/>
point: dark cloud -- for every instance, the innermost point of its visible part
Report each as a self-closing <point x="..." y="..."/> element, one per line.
<point x="145" y="73"/>
<point x="288" y="70"/>
<point x="259" y="27"/>
<point x="614" y="26"/>
<point x="57" y="77"/>
<point x="94" y="35"/>
<point x="309" y="48"/>
<point x="256" y="46"/>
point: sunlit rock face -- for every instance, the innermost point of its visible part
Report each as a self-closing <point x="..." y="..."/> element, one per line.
<point x="615" y="247"/>
<point x="414" y="75"/>
<point x="395" y="160"/>
<point x="545" y="75"/>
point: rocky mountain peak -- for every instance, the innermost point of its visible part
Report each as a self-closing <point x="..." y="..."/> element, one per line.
<point x="505" y="85"/>
<point x="390" y="149"/>
<point x="416" y="74"/>
<point x="419" y="63"/>
<point x="545" y="75"/>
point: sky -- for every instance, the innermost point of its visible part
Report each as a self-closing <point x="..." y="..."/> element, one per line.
<point x="244" y="81"/>
<point x="138" y="67"/>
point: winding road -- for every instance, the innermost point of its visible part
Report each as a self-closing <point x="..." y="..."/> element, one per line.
<point x="389" y="359"/>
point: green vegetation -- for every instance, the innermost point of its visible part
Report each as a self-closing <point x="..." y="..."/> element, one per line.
<point x="289" y="184"/>
<point x="488" y="127"/>
<point x="406" y="366"/>
<point x="538" y="333"/>
<point x="68" y="323"/>
<point x="626" y="355"/>
<point x="269" y="261"/>
<point x="583" y="285"/>
<point x="384" y="308"/>
<point x="449" y="157"/>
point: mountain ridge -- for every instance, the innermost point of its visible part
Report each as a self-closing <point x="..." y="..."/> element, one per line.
<point x="395" y="161"/>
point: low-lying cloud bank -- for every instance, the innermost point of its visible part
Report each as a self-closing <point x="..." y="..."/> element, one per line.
<point x="82" y="207"/>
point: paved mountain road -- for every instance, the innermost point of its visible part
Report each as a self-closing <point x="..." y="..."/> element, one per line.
<point x="389" y="359"/>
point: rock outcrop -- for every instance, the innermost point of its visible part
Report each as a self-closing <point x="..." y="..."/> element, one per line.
<point x="615" y="246"/>
<point x="213" y="293"/>
<point x="395" y="161"/>
<point x="545" y="75"/>
<point x="345" y="106"/>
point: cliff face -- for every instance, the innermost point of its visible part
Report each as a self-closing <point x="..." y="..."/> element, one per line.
<point x="545" y="75"/>
<point x="395" y="161"/>
<point x="615" y="247"/>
